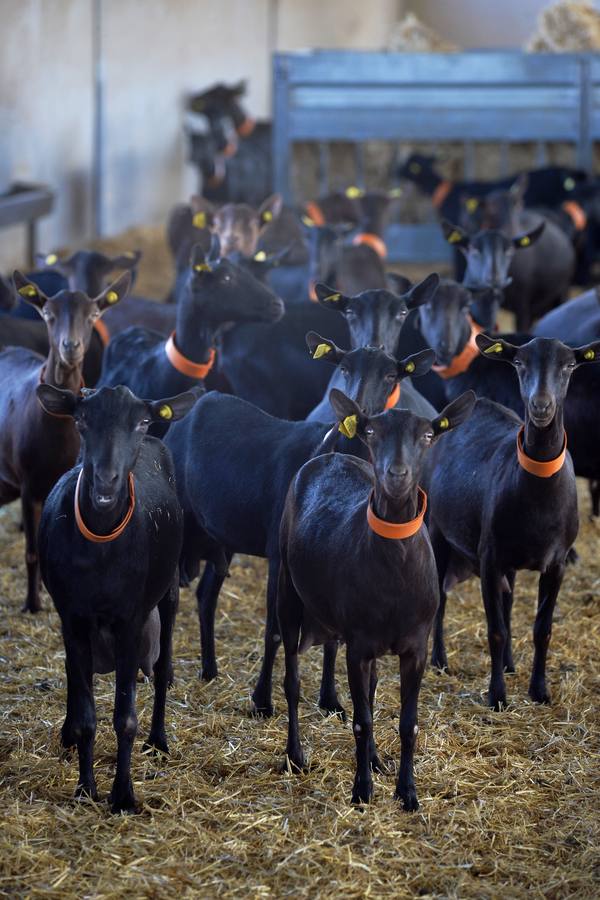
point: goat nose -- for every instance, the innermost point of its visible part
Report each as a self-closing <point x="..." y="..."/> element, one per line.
<point x="398" y="471"/>
<point x="541" y="404"/>
<point x="70" y="345"/>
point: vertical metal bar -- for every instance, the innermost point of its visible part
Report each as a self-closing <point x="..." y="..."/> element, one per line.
<point x="31" y="242"/>
<point x="281" y="141"/>
<point x="359" y="162"/>
<point x="585" y="148"/>
<point x="541" y="154"/>
<point x="323" y="176"/>
<point x="98" y="121"/>
<point x="469" y="160"/>
<point x="504" y="159"/>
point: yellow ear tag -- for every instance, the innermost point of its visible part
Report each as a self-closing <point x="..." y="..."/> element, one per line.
<point x="454" y="237"/>
<point x="267" y="216"/>
<point x="321" y="350"/>
<point x="409" y="367"/>
<point x="589" y="354"/>
<point x="202" y="267"/>
<point x="495" y="348"/>
<point x="415" y="168"/>
<point x="112" y="297"/>
<point x="28" y="290"/>
<point x="395" y="192"/>
<point x="525" y="241"/>
<point x="199" y="220"/>
<point x="333" y="298"/>
<point x="129" y="254"/>
<point x="472" y="204"/>
<point x="443" y="424"/>
<point x="260" y="256"/>
<point x="308" y="221"/>
<point x="353" y="192"/>
<point x="348" y="426"/>
<point x="51" y="259"/>
<point x="569" y="184"/>
<point x="165" y="412"/>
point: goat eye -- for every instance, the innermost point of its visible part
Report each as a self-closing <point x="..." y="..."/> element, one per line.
<point x="226" y="278"/>
<point x="350" y="313"/>
<point x="428" y="437"/>
<point x="369" y="431"/>
<point x="401" y="314"/>
<point x="518" y="363"/>
<point x="344" y="371"/>
<point x="391" y="377"/>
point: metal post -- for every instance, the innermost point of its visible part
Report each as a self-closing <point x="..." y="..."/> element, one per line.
<point x="98" y="121"/>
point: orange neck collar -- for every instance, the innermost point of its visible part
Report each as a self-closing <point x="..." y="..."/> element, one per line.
<point x="576" y="213"/>
<point x="103" y="332"/>
<point x="393" y="398"/>
<point x="533" y="466"/>
<point x="247" y="127"/>
<point x="185" y="365"/>
<point x="314" y="212"/>
<point x="116" y="532"/>
<point x="373" y="241"/>
<point x="441" y="192"/>
<point x="397" y="531"/>
<point x="57" y="415"/>
<point x="463" y="360"/>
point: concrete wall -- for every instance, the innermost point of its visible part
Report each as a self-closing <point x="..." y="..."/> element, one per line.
<point x="481" y="23"/>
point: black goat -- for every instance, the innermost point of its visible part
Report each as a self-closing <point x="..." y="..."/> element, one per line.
<point x="357" y="566"/>
<point x="110" y="538"/>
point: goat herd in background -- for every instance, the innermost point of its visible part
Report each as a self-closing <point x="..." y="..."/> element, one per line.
<point x="367" y="444"/>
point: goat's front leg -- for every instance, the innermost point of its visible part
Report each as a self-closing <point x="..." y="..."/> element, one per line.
<point x="289" y="614"/>
<point x="207" y="597"/>
<point x="359" y="677"/>
<point x="262" y="696"/>
<point x="32" y="511"/>
<point x="127" y="636"/>
<point x="79" y="727"/>
<point x="491" y="588"/>
<point x="549" y="586"/>
<point x="167" y="609"/>
<point x="507" y="604"/>
<point x="412" y="666"/>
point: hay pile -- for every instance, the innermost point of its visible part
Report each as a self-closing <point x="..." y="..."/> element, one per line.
<point x="411" y="35"/>
<point x="566" y="27"/>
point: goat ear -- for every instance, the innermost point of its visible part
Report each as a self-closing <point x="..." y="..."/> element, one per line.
<point x="398" y="284"/>
<point x="455" y="413"/>
<point x="127" y="260"/>
<point x="56" y="401"/>
<point x="587" y="354"/>
<point x="330" y="298"/>
<point x="519" y="187"/>
<point x="454" y="234"/>
<point x="270" y="209"/>
<point x="418" y="364"/>
<point x="114" y="293"/>
<point x="174" y="408"/>
<point x="495" y="348"/>
<point x="525" y="240"/>
<point x="29" y="291"/>
<point x="423" y="292"/>
<point x="347" y="413"/>
<point x="319" y="347"/>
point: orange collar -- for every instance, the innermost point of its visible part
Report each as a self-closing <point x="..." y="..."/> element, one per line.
<point x="441" y="192"/>
<point x="56" y="415"/>
<point x="103" y="332"/>
<point x="247" y="127"/>
<point x="576" y="213"/>
<point x="373" y="241"/>
<point x="314" y="212"/>
<point x="116" y="532"/>
<point x="533" y="466"/>
<point x="185" y="365"/>
<point x="393" y="398"/>
<point x="463" y="360"/>
<point x="396" y="530"/>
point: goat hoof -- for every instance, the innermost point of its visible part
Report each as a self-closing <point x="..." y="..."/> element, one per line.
<point x="31" y="606"/>
<point x="439" y="661"/>
<point x="509" y="668"/>
<point x="261" y="712"/>
<point x="156" y="744"/>
<point x="209" y="672"/>
<point x="67" y="739"/>
<point x="332" y="706"/>
<point x="122" y="800"/>
<point x="362" y="790"/>
<point x="539" y="693"/>
<point x="83" y="791"/>
<point x="377" y="765"/>
<point x="497" y="701"/>
<point x="294" y="763"/>
<point x="408" y="798"/>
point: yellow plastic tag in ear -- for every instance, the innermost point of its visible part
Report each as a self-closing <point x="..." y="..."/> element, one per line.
<point x="260" y="256"/>
<point x="129" y="254"/>
<point x="589" y="354"/>
<point x="569" y="184"/>
<point x="395" y="192"/>
<point x="308" y="221"/>
<point x="332" y="298"/>
<point x="51" y="259"/>
<point x="199" y="220"/>
<point x="354" y="192"/>
<point x="495" y="348"/>
<point x="415" y="168"/>
<point x="202" y="267"/>
<point x="112" y="297"/>
<point x="409" y="367"/>
<point x="321" y="350"/>
<point x="165" y="411"/>
<point x="348" y="426"/>
<point x="267" y="216"/>
<point x="454" y="237"/>
<point x="472" y="204"/>
<point x="28" y="290"/>
<point x="525" y="241"/>
<point x="443" y="424"/>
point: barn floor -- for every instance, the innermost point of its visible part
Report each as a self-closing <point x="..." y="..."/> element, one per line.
<point x="509" y="802"/>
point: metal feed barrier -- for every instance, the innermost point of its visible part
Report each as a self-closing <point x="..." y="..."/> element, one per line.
<point x="492" y="97"/>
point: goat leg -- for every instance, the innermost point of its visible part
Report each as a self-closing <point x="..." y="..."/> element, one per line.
<point x="549" y="586"/>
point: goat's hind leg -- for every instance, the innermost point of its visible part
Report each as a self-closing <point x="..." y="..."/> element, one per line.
<point x="289" y="614"/>
<point x="442" y="551"/>
<point x="167" y="609"/>
<point x="328" y="697"/>
<point x="412" y="666"/>
<point x="32" y="511"/>
<point x="79" y="727"/>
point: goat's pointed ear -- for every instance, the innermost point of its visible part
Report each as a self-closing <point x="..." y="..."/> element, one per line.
<point x="114" y="293"/>
<point x="56" y="401"/>
<point x="347" y="412"/>
<point x="526" y="240"/>
<point x="519" y="187"/>
<point x="322" y="348"/>
<point x="454" y="234"/>
<point x="416" y="365"/>
<point x="330" y="298"/>
<point x="29" y="291"/>
<point x="174" y="408"/>
<point x="127" y="260"/>
<point x="495" y="348"/>
<point x="199" y="259"/>
<point x="270" y="209"/>
<point x="454" y="413"/>
<point x="587" y="354"/>
<point x="471" y="204"/>
<point x="423" y="292"/>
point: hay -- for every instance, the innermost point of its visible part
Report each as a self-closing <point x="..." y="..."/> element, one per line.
<point x="566" y="27"/>
<point x="411" y="35"/>
<point x="509" y="802"/>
